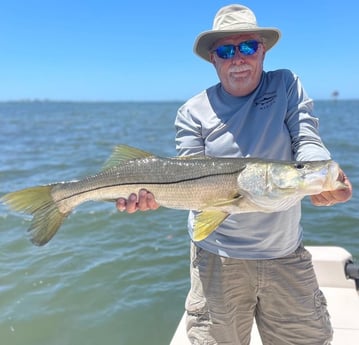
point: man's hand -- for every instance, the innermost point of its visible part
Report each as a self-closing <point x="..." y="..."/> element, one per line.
<point x="336" y="196"/>
<point x="143" y="202"/>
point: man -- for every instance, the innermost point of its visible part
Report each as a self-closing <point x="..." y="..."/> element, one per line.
<point x="254" y="265"/>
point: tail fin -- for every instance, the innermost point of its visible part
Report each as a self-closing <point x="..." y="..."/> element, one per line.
<point x="37" y="201"/>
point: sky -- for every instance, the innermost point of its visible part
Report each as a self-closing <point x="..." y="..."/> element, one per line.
<point x="120" y="50"/>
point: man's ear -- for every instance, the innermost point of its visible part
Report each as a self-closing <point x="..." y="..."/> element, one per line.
<point x="212" y="59"/>
<point x="264" y="53"/>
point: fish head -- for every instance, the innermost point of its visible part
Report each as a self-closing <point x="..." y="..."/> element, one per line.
<point x="306" y="178"/>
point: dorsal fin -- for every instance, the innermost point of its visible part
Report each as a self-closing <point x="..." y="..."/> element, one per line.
<point x="123" y="153"/>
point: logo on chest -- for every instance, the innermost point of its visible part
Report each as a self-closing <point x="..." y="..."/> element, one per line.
<point x="265" y="101"/>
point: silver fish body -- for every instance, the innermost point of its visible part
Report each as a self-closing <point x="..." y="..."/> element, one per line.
<point x="216" y="187"/>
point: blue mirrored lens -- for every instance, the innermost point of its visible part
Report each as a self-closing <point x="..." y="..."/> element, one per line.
<point x="228" y="51"/>
<point x="248" y="47"/>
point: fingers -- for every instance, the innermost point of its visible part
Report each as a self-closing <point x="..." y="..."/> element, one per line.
<point x="330" y="198"/>
<point x="121" y="204"/>
<point x="345" y="194"/>
<point x="336" y="196"/>
<point x="143" y="202"/>
<point x="322" y="199"/>
<point x="151" y="202"/>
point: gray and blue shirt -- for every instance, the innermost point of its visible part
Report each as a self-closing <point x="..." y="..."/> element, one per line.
<point x="276" y="122"/>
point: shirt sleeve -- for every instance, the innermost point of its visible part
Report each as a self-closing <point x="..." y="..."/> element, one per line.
<point x="303" y="126"/>
<point x="189" y="139"/>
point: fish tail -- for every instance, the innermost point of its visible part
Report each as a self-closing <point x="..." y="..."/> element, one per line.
<point x="38" y="202"/>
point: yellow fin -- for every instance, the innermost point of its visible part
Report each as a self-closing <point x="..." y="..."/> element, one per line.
<point x="37" y="201"/>
<point x="122" y="153"/>
<point x="206" y="222"/>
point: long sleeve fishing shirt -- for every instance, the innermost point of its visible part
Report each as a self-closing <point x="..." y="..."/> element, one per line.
<point x="276" y="122"/>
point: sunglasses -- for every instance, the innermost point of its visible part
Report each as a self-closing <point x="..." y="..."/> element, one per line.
<point x="228" y="51"/>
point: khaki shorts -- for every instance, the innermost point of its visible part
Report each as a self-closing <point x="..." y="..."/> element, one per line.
<point x="281" y="294"/>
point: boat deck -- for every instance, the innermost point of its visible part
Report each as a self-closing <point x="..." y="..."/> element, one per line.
<point x="341" y="294"/>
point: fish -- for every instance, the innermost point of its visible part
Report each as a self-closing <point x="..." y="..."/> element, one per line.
<point x="214" y="187"/>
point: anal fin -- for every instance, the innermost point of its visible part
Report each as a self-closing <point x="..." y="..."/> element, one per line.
<point x="206" y="222"/>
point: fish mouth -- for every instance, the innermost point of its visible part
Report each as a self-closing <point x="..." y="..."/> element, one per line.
<point x="322" y="179"/>
<point x="325" y="179"/>
<point x="332" y="176"/>
<point x="332" y="182"/>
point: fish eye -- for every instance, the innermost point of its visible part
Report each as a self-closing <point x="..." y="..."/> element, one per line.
<point x="299" y="166"/>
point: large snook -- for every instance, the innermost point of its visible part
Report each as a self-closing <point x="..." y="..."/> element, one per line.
<point x="216" y="187"/>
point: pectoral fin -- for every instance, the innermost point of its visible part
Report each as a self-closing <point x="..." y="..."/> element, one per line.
<point x="231" y="200"/>
<point x="206" y="222"/>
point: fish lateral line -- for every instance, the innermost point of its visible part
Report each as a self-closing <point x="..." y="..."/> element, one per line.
<point x="142" y="183"/>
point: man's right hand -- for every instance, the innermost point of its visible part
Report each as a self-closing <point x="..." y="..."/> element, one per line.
<point x="144" y="201"/>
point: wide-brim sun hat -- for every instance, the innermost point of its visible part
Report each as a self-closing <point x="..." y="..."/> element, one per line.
<point x="231" y="20"/>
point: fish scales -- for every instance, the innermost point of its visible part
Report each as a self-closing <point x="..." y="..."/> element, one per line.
<point x="177" y="183"/>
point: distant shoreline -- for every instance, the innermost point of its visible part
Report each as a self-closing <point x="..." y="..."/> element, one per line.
<point x="140" y="101"/>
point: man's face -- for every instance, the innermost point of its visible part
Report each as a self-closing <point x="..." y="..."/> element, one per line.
<point x="241" y="74"/>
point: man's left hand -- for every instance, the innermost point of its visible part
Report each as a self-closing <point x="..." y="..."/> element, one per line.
<point x="336" y="196"/>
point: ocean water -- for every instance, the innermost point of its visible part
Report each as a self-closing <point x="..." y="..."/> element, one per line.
<point x="107" y="277"/>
